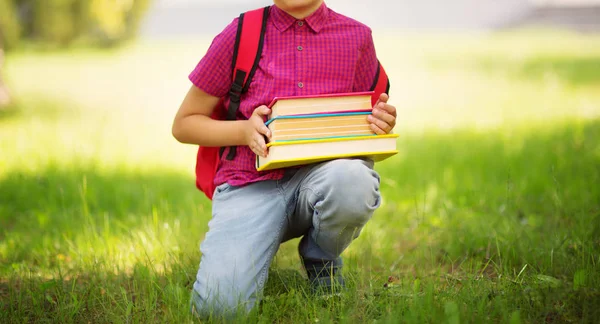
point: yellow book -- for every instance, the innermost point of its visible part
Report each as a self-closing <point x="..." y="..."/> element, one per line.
<point x="284" y="154"/>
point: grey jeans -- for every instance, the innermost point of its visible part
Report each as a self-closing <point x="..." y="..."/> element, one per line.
<point x="327" y="204"/>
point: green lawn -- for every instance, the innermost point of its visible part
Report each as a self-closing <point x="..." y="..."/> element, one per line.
<point x="491" y="211"/>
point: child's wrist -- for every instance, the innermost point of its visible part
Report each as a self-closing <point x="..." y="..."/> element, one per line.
<point x="246" y="127"/>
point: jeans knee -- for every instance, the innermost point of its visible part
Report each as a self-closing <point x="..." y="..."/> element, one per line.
<point x="220" y="297"/>
<point x="355" y="214"/>
<point x="215" y="306"/>
<point x="354" y="190"/>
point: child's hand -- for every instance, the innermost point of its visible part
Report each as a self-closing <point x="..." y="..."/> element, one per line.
<point x="256" y="130"/>
<point x="383" y="118"/>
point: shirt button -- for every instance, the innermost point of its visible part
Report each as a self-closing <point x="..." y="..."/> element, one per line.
<point x="300" y="23"/>
<point x="300" y="48"/>
<point x="300" y="85"/>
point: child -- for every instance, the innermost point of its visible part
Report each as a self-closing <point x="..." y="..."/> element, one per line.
<point x="308" y="49"/>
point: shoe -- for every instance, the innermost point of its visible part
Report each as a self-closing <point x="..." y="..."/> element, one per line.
<point x="324" y="276"/>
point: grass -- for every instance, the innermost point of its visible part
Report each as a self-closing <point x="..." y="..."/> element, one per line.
<point x="491" y="211"/>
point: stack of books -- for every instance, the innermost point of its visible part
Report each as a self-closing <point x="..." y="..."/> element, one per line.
<point x="312" y="129"/>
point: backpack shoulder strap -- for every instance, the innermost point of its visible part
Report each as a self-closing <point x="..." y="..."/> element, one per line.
<point x="249" y="40"/>
<point x="381" y="84"/>
<point x="248" y="48"/>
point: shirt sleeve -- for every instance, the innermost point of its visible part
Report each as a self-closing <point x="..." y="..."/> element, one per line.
<point x="213" y="73"/>
<point x="366" y="66"/>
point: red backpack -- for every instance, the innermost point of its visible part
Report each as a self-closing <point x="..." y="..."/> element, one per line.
<point x="246" y="54"/>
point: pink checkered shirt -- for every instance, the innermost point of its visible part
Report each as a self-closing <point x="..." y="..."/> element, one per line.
<point x="324" y="53"/>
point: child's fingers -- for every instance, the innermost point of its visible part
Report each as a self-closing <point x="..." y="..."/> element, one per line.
<point x="384" y="97"/>
<point x="382" y="124"/>
<point x="379" y="130"/>
<point x="260" y="147"/>
<point x="387" y="108"/>
<point x="256" y="150"/>
<point x="384" y="116"/>
<point x="264" y="130"/>
<point x="262" y="111"/>
<point x="259" y="122"/>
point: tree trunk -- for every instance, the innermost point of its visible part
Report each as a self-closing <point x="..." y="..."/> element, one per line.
<point x="4" y="97"/>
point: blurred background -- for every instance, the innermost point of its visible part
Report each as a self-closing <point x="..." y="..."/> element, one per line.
<point x="170" y="18"/>
<point x="450" y="62"/>
<point x="498" y="105"/>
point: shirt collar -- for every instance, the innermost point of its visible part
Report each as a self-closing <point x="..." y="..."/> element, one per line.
<point x="282" y="20"/>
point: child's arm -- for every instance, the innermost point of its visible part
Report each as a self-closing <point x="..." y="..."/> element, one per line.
<point x="193" y="125"/>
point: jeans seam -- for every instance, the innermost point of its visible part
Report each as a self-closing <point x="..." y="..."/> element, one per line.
<point x="286" y="202"/>
<point x="283" y="185"/>
<point x="271" y="254"/>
